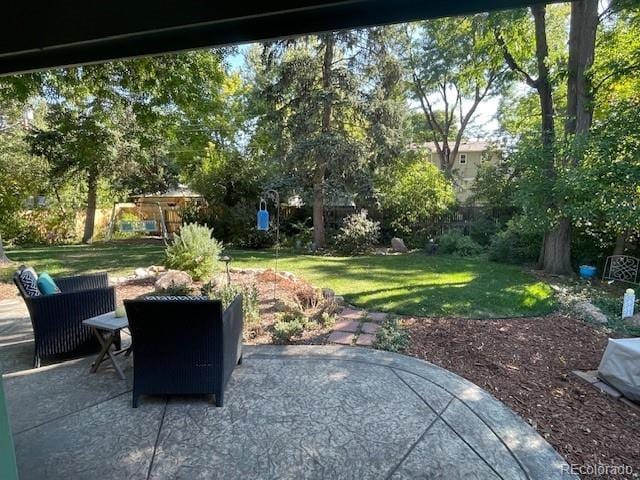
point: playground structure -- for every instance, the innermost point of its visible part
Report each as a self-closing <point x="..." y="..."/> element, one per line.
<point x="147" y="220"/>
<point x="156" y="216"/>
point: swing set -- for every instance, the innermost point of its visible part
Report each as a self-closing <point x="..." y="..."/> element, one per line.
<point x="148" y="220"/>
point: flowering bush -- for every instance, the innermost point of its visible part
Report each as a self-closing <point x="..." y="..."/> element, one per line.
<point x="358" y="234"/>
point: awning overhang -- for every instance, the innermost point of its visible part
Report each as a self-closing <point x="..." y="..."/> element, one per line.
<point x="42" y="34"/>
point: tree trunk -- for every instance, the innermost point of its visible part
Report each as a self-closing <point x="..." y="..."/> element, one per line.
<point x="90" y="218"/>
<point x="557" y="249"/>
<point x="582" y="45"/>
<point x="621" y="243"/>
<point x="4" y="260"/>
<point x="540" y="263"/>
<point x="321" y="163"/>
<point x="318" y="207"/>
<point x="582" y="41"/>
<point x="543" y="84"/>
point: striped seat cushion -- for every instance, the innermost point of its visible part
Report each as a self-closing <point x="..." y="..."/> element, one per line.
<point x="29" y="280"/>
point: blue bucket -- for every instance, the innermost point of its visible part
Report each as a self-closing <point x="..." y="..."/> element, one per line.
<point x="587" y="271"/>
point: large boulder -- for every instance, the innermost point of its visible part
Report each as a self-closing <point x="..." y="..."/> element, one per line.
<point x="633" y="321"/>
<point x="397" y="244"/>
<point x="590" y="312"/>
<point x="173" y="279"/>
<point x="141" y="273"/>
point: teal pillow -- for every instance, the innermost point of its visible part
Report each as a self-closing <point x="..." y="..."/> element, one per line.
<point x="46" y="285"/>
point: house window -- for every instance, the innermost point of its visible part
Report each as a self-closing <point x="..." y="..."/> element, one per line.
<point x="463" y="159"/>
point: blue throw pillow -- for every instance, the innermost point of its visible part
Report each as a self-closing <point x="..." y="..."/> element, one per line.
<point x="46" y="285"/>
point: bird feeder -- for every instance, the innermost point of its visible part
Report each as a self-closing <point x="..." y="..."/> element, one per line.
<point x="263" y="216"/>
<point x="263" y="225"/>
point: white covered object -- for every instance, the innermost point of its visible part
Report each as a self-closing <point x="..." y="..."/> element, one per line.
<point x="620" y="366"/>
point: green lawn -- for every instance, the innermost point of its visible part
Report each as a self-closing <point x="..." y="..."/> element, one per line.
<point x="414" y="284"/>
<point x="117" y="259"/>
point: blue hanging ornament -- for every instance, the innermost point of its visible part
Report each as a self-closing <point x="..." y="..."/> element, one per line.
<point x="263" y="216"/>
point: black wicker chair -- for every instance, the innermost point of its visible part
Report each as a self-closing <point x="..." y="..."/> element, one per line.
<point x="184" y="346"/>
<point x="57" y="319"/>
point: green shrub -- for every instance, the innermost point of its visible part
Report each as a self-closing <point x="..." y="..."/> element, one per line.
<point x="413" y="192"/>
<point x="391" y="337"/>
<point x="514" y="246"/>
<point x="483" y="230"/>
<point x="194" y="251"/>
<point x="358" y="234"/>
<point x="612" y="308"/>
<point x="227" y="293"/>
<point x="458" y="244"/>
<point x="288" y="325"/>
<point x="327" y="319"/>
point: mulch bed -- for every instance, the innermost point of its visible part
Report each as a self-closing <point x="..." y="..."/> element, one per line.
<point x="8" y="291"/>
<point x="526" y="363"/>
<point x="285" y="290"/>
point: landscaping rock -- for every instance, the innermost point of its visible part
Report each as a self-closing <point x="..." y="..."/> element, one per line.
<point x="141" y="273"/>
<point x="380" y="251"/>
<point x="339" y="300"/>
<point x="290" y="276"/>
<point x="173" y="278"/>
<point x="633" y="321"/>
<point x="397" y="244"/>
<point x="157" y="268"/>
<point x="288" y="306"/>
<point x="591" y="312"/>
<point x="328" y="293"/>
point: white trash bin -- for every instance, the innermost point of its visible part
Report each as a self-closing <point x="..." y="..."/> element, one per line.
<point x="620" y="366"/>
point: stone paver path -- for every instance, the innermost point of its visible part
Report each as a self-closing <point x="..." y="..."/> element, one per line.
<point x="362" y="326"/>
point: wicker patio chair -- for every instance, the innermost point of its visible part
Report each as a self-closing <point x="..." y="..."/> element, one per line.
<point x="57" y="319"/>
<point x="184" y="345"/>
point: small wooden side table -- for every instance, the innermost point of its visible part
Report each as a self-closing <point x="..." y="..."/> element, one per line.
<point x="106" y="328"/>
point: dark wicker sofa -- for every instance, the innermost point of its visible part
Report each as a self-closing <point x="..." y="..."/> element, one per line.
<point x="184" y="345"/>
<point x="57" y="319"/>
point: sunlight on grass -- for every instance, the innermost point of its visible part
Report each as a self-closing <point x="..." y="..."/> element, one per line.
<point x="413" y="284"/>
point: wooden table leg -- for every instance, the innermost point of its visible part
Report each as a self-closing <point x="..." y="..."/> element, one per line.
<point x="106" y="342"/>
<point x="103" y="351"/>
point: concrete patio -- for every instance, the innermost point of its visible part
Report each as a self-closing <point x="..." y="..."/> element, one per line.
<point x="290" y="412"/>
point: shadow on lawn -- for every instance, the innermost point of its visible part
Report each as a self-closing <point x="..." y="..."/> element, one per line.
<point x="419" y="284"/>
<point x="469" y="299"/>
<point x="78" y="259"/>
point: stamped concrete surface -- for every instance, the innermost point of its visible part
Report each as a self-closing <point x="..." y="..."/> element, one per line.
<point x="290" y="412"/>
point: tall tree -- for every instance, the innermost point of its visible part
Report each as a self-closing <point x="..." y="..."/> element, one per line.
<point x="22" y="177"/>
<point x="321" y="105"/>
<point x="555" y="252"/>
<point x="453" y="65"/>
<point x="80" y="139"/>
<point x="128" y="115"/>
